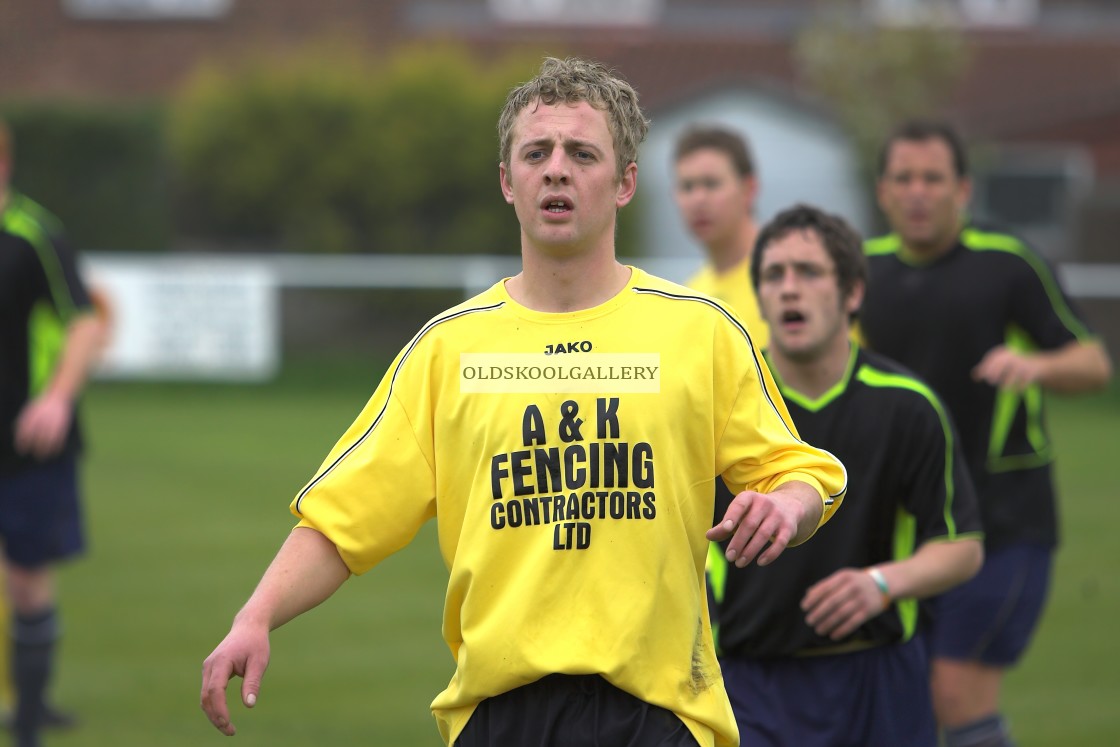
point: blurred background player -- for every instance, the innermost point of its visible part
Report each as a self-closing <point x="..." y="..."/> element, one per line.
<point x="984" y="320"/>
<point x="819" y="649"/>
<point x="715" y="190"/>
<point x="50" y="337"/>
<point x="575" y="607"/>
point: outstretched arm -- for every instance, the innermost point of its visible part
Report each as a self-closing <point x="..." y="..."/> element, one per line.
<point x="305" y="572"/>
<point x="1074" y="367"/>
<point x="783" y="517"/>
<point x="835" y="606"/>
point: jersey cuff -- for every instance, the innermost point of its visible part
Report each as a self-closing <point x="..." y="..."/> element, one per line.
<point x="814" y="483"/>
<point x="351" y="561"/>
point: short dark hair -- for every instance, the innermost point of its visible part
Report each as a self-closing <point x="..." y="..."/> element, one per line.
<point x="699" y="137"/>
<point x="925" y="129"/>
<point x="842" y="242"/>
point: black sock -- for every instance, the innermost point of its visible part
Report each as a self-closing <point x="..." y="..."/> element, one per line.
<point x="33" y="642"/>
<point x="990" y="731"/>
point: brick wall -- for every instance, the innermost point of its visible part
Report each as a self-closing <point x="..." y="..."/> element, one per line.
<point x="43" y="51"/>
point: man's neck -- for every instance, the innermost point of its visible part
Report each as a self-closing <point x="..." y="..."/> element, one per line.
<point x="813" y="377"/>
<point x="561" y="284"/>
<point x="934" y="249"/>
<point x="737" y="248"/>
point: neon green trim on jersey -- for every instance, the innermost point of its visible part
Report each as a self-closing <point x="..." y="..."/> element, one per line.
<point x="46" y="325"/>
<point x="977" y="240"/>
<point x="46" y="335"/>
<point x="905" y="536"/>
<point x="717" y="570"/>
<point x="892" y="244"/>
<point x="874" y="377"/>
<point x="1007" y="403"/>
<point x="36" y="212"/>
<point x="17" y="221"/>
<point x="879" y="245"/>
<point x="717" y="578"/>
<point x="815" y="405"/>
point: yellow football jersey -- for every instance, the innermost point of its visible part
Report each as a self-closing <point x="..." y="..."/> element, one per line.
<point x="734" y="287"/>
<point x="569" y="459"/>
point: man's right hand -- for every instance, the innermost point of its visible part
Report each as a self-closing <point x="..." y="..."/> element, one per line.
<point x="243" y="653"/>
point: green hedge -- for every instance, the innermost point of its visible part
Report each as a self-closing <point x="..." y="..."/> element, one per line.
<point x="329" y="150"/>
<point x="322" y="149"/>
<point x="100" y="168"/>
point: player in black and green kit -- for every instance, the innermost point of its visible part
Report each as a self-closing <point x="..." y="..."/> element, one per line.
<point x="982" y="318"/>
<point x="819" y="648"/>
<point x="49" y="339"/>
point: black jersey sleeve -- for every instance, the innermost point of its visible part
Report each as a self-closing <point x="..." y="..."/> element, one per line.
<point x="77" y="298"/>
<point x="1041" y="306"/>
<point x="939" y="493"/>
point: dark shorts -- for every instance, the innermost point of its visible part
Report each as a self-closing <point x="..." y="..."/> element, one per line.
<point x="564" y="710"/>
<point x="40" y="519"/>
<point x="877" y="697"/>
<point x="992" y="617"/>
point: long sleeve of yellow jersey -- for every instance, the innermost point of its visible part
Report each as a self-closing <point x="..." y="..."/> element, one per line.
<point x="759" y="448"/>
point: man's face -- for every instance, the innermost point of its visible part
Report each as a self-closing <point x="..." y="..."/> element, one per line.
<point x="799" y="296"/>
<point x="921" y="195"/>
<point x="561" y="179"/>
<point x="711" y="195"/>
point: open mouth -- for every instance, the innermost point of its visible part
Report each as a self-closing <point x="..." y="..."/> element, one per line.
<point x="556" y="206"/>
<point x="792" y="318"/>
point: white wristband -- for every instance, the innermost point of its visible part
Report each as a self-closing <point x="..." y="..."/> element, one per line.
<point x="881" y="582"/>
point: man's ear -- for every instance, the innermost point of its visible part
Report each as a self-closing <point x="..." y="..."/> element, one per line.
<point x="854" y="300"/>
<point x="627" y="185"/>
<point x="750" y="193"/>
<point x="507" y="185"/>
<point x="964" y="194"/>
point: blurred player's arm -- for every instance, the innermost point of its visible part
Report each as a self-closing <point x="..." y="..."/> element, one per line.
<point x="1077" y="366"/>
<point x="840" y="603"/>
<point x="305" y="572"/>
<point x="45" y="420"/>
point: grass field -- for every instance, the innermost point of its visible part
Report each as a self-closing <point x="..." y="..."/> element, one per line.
<point x="187" y="494"/>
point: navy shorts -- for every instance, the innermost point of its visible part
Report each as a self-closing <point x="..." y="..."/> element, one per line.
<point x="877" y="697"/>
<point x="561" y="710"/>
<point x="991" y="617"/>
<point x="40" y="519"/>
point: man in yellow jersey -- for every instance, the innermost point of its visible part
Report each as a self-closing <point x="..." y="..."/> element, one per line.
<point x="49" y="340"/>
<point x="564" y="428"/>
<point x="715" y="191"/>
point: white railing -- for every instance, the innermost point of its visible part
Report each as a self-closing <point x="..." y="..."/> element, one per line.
<point x="217" y="316"/>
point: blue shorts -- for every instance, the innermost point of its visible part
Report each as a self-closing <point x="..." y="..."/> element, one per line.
<point x="992" y="617"/>
<point x="40" y="520"/>
<point x="877" y="697"/>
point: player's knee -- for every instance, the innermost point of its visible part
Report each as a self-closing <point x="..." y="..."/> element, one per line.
<point x="30" y="592"/>
<point x="963" y="692"/>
